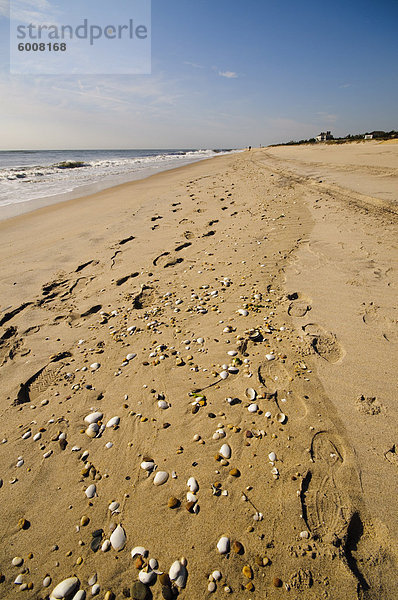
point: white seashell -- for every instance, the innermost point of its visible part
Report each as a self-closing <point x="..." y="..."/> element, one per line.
<point x="113" y="422"/>
<point x="95" y="589"/>
<point x="91" y="491"/>
<point x="93" y="417"/>
<point x="65" y="588"/>
<point x="216" y="575"/>
<point x="47" y="454"/>
<point x="93" y="579"/>
<point x="250" y="393"/>
<point x="81" y="595"/>
<point x="193" y="484"/>
<point x="243" y="312"/>
<point x="118" y="538"/>
<point x="270" y="356"/>
<point x="147" y="577"/>
<point x="160" y="478"/>
<point x="92" y="430"/>
<point x="17" y="561"/>
<point x="232" y="352"/>
<point x="113" y="506"/>
<point x="105" y="545"/>
<point x="224" y="374"/>
<point x="37" y="437"/>
<point x="46" y="581"/>
<point x="281" y="418"/>
<point x="233" y="370"/>
<point x="191" y="497"/>
<point x="27" y="435"/>
<point x="147" y="465"/>
<point x="274" y="471"/>
<point x="95" y="366"/>
<point x="223" y="545"/>
<point x="20" y="462"/>
<point x="108" y="445"/>
<point x="19" y="579"/>
<point x="252" y="408"/>
<point x="153" y="563"/>
<point x="200" y="340"/>
<point x="178" y="574"/>
<point x="211" y="587"/>
<point x="139" y="551"/>
<point x="272" y="456"/>
<point x="216" y="436"/>
<point x="130" y="356"/>
<point x="225" y="451"/>
<point x="163" y="404"/>
<point x="268" y="414"/>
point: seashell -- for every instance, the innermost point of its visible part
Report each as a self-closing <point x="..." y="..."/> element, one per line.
<point x="93" y="417"/>
<point x="153" y="563"/>
<point x="200" y="340"/>
<point x="223" y="545"/>
<point x="91" y="491"/>
<point x="224" y="374"/>
<point x="118" y="538"/>
<point x="148" y="465"/>
<point x="65" y="588"/>
<point x="46" y="581"/>
<point x="211" y="587"/>
<point x="163" y="404"/>
<point x="19" y="579"/>
<point x="160" y="478"/>
<point x="191" y="497"/>
<point x="243" y="312"/>
<point x="37" y="437"/>
<point x="113" y="506"/>
<point x="268" y="414"/>
<point x="81" y="595"/>
<point x="27" y="435"/>
<point x="113" y="422"/>
<point x="17" y="561"/>
<point x="232" y="352"/>
<point x="233" y="370"/>
<point x="193" y="484"/>
<point x="95" y="366"/>
<point x="147" y="577"/>
<point x="225" y="451"/>
<point x="252" y="408"/>
<point x="270" y="356"/>
<point x="130" y="356"/>
<point x="281" y="418"/>
<point x="304" y="535"/>
<point x="93" y="579"/>
<point x="178" y="573"/>
<point x="250" y="393"/>
<point x="105" y="546"/>
<point x="47" y="454"/>
<point x="92" y="430"/>
<point x="95" y="589"/>
<point x="108" y="445"/>
<point x="216" y="575"/>
<point x="247" y="572"/>
<point x="139" y="551"/>
<point x="272" y="456"/>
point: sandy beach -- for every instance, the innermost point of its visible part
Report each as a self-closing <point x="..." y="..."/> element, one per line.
<point x="201" y="367"/>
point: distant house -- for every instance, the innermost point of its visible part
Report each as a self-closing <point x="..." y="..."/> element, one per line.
<point x="368" y="136"/>
<point x="324" y="136"/>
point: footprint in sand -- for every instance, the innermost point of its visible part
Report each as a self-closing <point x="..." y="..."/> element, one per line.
<point x="38" y="383"/>
<point x="325" y="509"/>
<point x="299" y="305"/>
<point x="324" y="343"/>
<point x="277" y="380"/>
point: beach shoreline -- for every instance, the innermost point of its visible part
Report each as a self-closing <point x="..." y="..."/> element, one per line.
<point x="246" y="300"/>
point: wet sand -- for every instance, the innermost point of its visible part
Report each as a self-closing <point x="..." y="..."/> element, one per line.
<point x="235" y="301"/>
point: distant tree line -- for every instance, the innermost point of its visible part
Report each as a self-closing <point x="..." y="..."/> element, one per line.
<point x="377" y="135"/>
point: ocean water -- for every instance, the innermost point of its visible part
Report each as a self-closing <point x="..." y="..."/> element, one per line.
<point x="30" y="175"/>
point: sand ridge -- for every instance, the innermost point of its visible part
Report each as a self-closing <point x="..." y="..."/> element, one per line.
<point x="152" y="281"/>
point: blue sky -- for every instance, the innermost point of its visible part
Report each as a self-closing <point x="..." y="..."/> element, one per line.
<point x="224" y="74"/>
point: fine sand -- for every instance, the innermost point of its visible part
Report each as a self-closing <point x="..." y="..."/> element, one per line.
<point x="266" y="279"/>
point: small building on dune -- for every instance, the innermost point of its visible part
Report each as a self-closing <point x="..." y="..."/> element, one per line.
<point x="324" y="136"/>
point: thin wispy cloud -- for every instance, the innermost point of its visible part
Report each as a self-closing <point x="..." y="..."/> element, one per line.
<point x="192" y="64"/>
<point x="345" y="85"/>
<point x="228" y="74"/>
